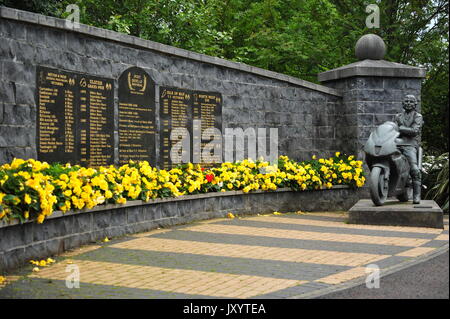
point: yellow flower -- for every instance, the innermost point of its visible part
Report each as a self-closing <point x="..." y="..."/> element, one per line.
<point x="42" y="263"/>
<point x="68" y="193"/>
<point x="35" y="269"/>
<point x="16" y="200"/>
<point x="277" y="213"/>
<point x="230" y="215"/>
<point x="40" y="218"/>
<point x="27" y="199"/>
<point x="2" y="279"/>
<point x="88" y="187"/>
<point x="106" y="240"/>
<point x="121" y="200"/>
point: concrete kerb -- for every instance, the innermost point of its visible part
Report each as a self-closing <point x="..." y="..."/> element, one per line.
<point x="383" y="273"/>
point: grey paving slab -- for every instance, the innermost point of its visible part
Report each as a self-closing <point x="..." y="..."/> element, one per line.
<point x="282" y="242"/>
<point x="36" y="288"/>
<point x="435" y="243"/>
<point x="324" y="229"/>
<point x="311" y="216"/>
<point x="389" y="261"/>
<point x="294" y="291"/>
<point x="230" y="265"/>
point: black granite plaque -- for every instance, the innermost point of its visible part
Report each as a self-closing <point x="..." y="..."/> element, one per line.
<point x="97" y="121"/>
<point x="136" y="116"/>
<point x="175" y="112"/>
<point x="180" y="108"/>
<point x="75" y="118"/>
<point x="207" y="107"/>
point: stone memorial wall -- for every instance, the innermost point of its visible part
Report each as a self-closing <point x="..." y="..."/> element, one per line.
<point x="93" y="96"/>
<point x="48" y="113"/>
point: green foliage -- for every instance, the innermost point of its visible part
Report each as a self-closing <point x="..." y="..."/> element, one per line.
<point x="438" y="177"/>
<point x="46" y="7"/>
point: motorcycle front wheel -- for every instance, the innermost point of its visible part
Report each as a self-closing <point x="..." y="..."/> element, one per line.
<point x="378" y="186"/>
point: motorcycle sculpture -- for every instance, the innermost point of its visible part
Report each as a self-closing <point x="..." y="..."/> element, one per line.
<point x="389" y="168"/>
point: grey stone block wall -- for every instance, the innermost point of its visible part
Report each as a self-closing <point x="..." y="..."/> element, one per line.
<point x="304" y="112"/>
<point x="60" y="232"/>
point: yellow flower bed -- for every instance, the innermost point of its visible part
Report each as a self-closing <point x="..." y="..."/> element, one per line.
<point x="30" y="189"/>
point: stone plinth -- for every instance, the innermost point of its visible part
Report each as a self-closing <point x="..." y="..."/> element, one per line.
<point x="395" y="213"/>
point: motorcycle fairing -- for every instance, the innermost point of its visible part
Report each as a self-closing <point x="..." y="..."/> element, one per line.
<point x="397" y="180"/>
<point x="381" y="141"/>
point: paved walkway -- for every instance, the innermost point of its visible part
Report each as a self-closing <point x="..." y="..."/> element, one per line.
<point x="270" y="256"/>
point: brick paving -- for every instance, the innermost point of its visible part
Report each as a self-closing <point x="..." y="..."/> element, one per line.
<point x="269" y="256"/>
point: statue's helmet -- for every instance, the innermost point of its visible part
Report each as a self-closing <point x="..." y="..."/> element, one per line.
<point x="409" y="102"/>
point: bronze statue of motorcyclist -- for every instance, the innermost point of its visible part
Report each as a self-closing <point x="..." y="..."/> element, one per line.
<point x="410" y="124"/>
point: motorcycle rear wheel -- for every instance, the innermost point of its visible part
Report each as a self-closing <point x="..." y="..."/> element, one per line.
<point x="377" y="186"/>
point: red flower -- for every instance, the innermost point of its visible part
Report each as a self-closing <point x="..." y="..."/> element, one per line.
<point x="202" y="169"/>
<point x="209" y="177"/>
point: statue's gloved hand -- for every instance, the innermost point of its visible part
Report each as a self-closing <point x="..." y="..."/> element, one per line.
<point x="407" y="130"/>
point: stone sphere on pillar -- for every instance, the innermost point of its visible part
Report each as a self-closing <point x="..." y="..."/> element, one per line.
<point x="370" y="46"/>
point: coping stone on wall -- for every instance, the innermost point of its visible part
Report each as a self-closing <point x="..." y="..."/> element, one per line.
<point x="34" y="18"/>
<point x="373" y="68"/>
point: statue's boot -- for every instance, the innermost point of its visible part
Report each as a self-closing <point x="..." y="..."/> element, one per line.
<point x="416" y="192"/>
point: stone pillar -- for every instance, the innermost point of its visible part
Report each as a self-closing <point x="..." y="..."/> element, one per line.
<point x="372" y="89"/>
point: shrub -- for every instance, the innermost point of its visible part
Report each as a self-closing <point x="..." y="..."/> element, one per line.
<point x="437" y="180"/>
